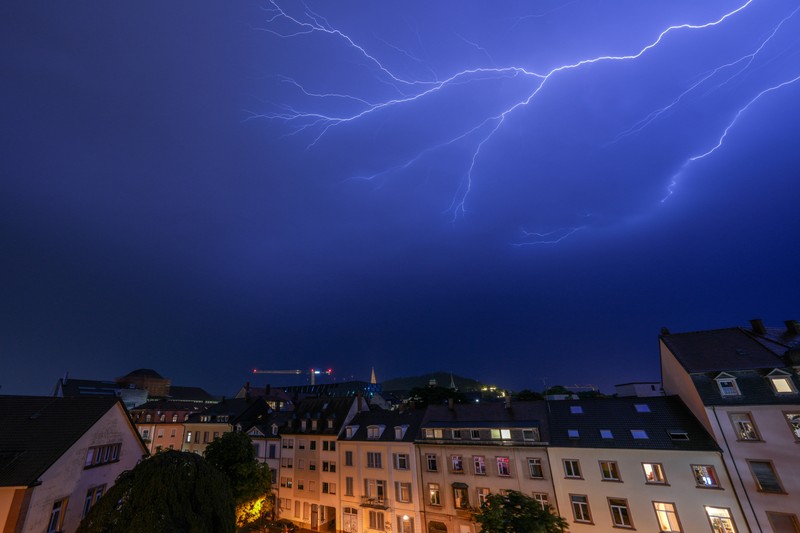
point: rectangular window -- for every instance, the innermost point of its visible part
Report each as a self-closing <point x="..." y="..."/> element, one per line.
<point x="641" y="407"/>
<point x="457" y="464"/>
<point x="793" y="420"/>
<point x="434" y="496"/>
<point x="376" y="521"/>
<point x="348" y="486"/>
<point x="580" y="508"/>
<point x="433" y="465"/>
<point x="401" y="461"/>
<point x="474" y="434"/>
<point x="573" y="433"/>
<point x="312" y="445"/>
<point x="667" y="517"/>
<point x="312" y="486"/>
<point x="288" y="443"/>
<point x="654" y="473"/>
<point x="460" y="497"/>
<point x="576" y="409"/>
<point x="705" y="476"/>
<point x="765" y="476"/>
<point x="782" y="384"/>
<point x="100" y="455"/>
<point x="728" y="387"/>
<point x="57" y="516"/>
<point x="456" y="434"/>
<point x="609" y="471"/>
<point x="483" y="494"/>
<point x="606" y="434"/>
<point x="188" y="436"/>
<point x="503" y="467"/>
<point x="530" y="434"/>
<point x="301" y="484"/>
<point x="301" y="444"/>
<point x="744" y="427"/>
<point x="542" y="498"/>
<point x="783" y="522"/>
<point x="620" y="513"/>
<point x="480" y="465"/>
<point x="286" y="462"/>
<point x="312" y="465"/>
<point x="535" y="468"/>
<point x="328" y="466"/>
<point x="375" y="489"/>
<point x="639" y="434"/>
<point x="572" y="468"/>
<point x="721" y="520"/>
<point x="403" y="491"/>
<point x="374" y="460"/>
<point x="92" y="496"/>
<point x="348" y="458"/>
<point x="505" y="434"/>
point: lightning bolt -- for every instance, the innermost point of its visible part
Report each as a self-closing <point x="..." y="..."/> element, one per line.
<point x="481" y="132"/>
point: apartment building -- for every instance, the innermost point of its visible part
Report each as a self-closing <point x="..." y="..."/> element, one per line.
<point x="641" y="464"/>
<point x="308" y="489"/>
<point x="240" y="414"/>
<point x="379" y="472"/>
<point x="468" y="451"/>
<point x="742" y="384"/>
<point x="161" y="422"/>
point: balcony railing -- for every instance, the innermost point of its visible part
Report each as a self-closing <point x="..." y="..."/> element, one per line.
<point x="376" y="502"/>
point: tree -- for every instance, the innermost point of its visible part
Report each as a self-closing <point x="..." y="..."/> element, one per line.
<point x="527" y="395"/>
<point x="250" y="481"/>
<point x="170" y="492"/>
<point x="423" y="396"/>
<point x="514" y="512"/>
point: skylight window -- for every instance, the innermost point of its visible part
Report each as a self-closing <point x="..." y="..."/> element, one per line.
<point x="678" y="435"/>
<point x="606" y="434"/>
<point x="641" y="407"/>
<point x="639" y="434"/>
<point x="573" y="433"/>
<point x="576" y="409"/>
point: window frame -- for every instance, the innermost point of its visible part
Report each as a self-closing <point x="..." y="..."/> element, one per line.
<point x="575" y="467"/>
<point x="656" y="467"/>
<point x="434" y="489"/>
<point x="757" y="481"/>
<point x="729" y="517"/>
<point x="432" y="462"/>
<point x="749" y="420"/>
<point x="714" y="472"/>
<point x="613" y="502"/>
<point x="479" y="460"/>
<point x="794" y="431"/>
<point x="613" y="469"/>
<point x="536" y="462"/>
<point x="506" y="461"/>
<point x="674" y="512"/>
<point x="585" y="502"/>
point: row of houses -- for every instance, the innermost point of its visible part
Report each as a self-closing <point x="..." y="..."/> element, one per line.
<point x="716" y="452"/>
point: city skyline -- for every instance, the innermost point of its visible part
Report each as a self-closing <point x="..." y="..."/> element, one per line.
<point x="515" y="194"/>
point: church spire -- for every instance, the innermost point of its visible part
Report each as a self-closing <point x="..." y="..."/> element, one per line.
<point x="372" y="378"/>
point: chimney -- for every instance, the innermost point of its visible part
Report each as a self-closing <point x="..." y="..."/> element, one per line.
<point x="360" y="402"/>
<point x="450" y="403"/>
<point x="792" y="327"/>
<point x="507" y="402"/>
<point x="758" y="326"/>
<point x="664" y="331"/>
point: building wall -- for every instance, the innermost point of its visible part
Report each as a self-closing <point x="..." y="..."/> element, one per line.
<point x="202" y="433"/>
<point x="68" y="477"/>
<point x="680" y="488"/>
<point x="458" y="520"/>
<point x="776" y="444"/>
<point x="677" y="381"/>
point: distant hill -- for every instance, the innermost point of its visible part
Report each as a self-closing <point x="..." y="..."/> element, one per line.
<point x="442" y="380"/>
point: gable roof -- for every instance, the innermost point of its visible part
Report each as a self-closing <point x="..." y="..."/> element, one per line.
<point x="389" y="419"/>
<point x="36" y="431"/>
<point x="665" y="414"/>
<point x="322" y="410"/>
<point x="720" y="350"/>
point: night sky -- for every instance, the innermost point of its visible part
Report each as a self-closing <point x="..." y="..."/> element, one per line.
<point x="203" y="188"/>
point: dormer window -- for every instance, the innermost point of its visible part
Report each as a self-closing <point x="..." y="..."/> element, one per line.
<point x="302" y="425"/>
<point x="330" y="423"/>
<point x="400" y="432"/>
<point x="781" y="382"/>
<point x="313" y="425"/>
<point x="274" y="429"/>
<point x="350" y="431"/>
<point x="727" y="385"/>
<point x="374" y="432"/>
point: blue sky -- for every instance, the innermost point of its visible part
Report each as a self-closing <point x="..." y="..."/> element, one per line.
<point x="458" y="186"/>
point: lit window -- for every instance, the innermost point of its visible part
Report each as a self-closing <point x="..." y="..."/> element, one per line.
<point x="434" y="496"/>
<point x="457" y="464"/>
<point x="667" y="517"/>
<point x="460" y="496"/>
<point x="505" y="434"/>
<point x="794" y="424"/>
<point x="641" y="407"/>
<point x="495" y="433"/>
<point x="535" y="468"/>
<point x="609" y="471"/>
<point x="639" y="434"/>
<point x="572" y="468"/>
<point x="480" y="465"/>
<point x="580" y="508"/>
<point x="606" y="434"/>
<point x="482" y="495"/>
<point x="720" y="519"/>
<point x="654" y="473"/>
<point x="576" y="409"/>
<point x="620" y="513"/>
<point x="743" y="426"/>
<point x="781" y="382"/>
<point x="765" y="476"/>
<point x="705" y="476"/>
<point x="503" y="468"/>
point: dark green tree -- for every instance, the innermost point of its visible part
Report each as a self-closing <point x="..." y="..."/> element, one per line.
<point x="423" y="396"/>
<point x="514" y="512"/>
<point x="250" y="481"/>
<point x="527" y="395"/>
<point x="170" y="492"/>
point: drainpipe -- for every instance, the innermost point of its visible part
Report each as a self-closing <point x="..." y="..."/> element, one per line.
<point x="735" y="467"/>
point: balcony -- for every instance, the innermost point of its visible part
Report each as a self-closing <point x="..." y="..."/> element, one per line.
<point x="374" y="502"/>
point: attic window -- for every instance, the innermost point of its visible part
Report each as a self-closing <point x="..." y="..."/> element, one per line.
<point x="350" y="431"/>
<point x="274" y="429"/>
<point x="727" y="385"/>
<point x="573" y="433"/>
<point x="606" y="434"/>
<point x="781" y="382"/>
<point x="330" y="423"/>
<point x="374" y="432"/>
<point x="678" y="435"/>
<point x="641" y="407"/>
<point x="576" y="409"/>
<point x="639" y="434"/>
<point x="400" y="432"/>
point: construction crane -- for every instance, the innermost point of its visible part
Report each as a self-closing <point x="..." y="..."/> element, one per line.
<point x="314" y="372"/>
